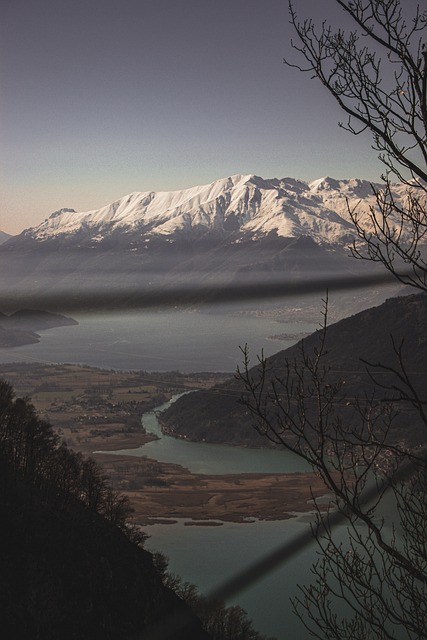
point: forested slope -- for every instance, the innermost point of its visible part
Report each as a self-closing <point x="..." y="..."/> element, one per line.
<point x="70" y="565"/>
<point x="218" y="415"/>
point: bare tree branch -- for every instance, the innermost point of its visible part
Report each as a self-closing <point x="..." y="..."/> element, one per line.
<point x="377" y="73"/>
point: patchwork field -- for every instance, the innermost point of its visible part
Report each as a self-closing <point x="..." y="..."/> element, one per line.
<point x="93" y="409"/>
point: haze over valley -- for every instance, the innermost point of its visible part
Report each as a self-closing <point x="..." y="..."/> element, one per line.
<point x="239" y="230"/>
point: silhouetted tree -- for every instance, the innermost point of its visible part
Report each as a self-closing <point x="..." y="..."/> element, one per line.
<point x="372" y="581"/>
<point x="116" y="508"/>
<point x="33" y="454"/>
<point x="220" y="622"/>
<point x="377" y="73"/>
<point x="372" y="577"/>
<point x="66" y="570"/>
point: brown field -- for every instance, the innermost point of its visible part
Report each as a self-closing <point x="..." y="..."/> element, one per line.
<point x="160" y="490"/>
<point x="93" y="409"/>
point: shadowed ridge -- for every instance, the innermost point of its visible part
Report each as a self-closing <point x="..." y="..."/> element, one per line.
<point x="218" y="416"/>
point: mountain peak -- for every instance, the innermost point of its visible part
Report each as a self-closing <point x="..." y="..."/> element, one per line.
<point x="242" y="177"/>
<point x="55" y="214"/>
<point x="324" y="184"/>
<point x="234" y="180"/>
<point x="243" y="203"/>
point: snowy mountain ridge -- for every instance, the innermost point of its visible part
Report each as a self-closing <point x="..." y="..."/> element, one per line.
<point x="241" y="205"/>
<point x="239" y="230"/>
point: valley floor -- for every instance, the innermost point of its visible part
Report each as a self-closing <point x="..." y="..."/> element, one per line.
<point x="94" y="409"/>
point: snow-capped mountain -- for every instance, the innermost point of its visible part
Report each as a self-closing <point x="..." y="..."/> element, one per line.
<point x="240" y="205"/>
<point x="241" y="229"/>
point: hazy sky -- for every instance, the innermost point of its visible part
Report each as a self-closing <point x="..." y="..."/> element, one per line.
<point x="99" y="98"/>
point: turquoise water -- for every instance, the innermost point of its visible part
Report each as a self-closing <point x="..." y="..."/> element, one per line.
<point x="208" y="556"/>
<point x="213" y="458"/>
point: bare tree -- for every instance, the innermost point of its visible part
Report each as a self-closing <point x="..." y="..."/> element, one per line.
<point x="377" y="73"/>
<point x="371" y="579"/>
<point x="221" y="622"/>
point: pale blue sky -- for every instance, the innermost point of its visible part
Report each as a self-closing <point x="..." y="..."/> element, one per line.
<point x="100" y="98"/>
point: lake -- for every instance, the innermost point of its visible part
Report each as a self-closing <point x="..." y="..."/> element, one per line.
<point x="207" y="556"/>
<point x="187" y="341"/>
<point x="191" y="341"/>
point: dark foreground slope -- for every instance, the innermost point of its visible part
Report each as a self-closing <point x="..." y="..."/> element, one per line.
<point x="70" y="567"/>
<point x="218" y="415"/>
<point x="69" y="575"/>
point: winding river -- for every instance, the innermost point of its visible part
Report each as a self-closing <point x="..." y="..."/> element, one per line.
<point x="207" y="556"/>
<point x="206" y="458"/>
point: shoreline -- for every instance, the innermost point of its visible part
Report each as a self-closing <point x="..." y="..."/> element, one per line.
<point x="166" y="491"/>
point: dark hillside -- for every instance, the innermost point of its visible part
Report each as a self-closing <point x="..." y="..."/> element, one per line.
<point x="70" y="564"/>
<point x="218" y="416"/>
<point x="68" y="574"/>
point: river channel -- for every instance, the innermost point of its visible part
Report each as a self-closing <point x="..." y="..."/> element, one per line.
<point x="206" y="458"/>
<point x="207" y="556"/>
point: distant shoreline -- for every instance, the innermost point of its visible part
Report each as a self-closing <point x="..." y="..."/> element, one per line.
<point x="20" y="328"/>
